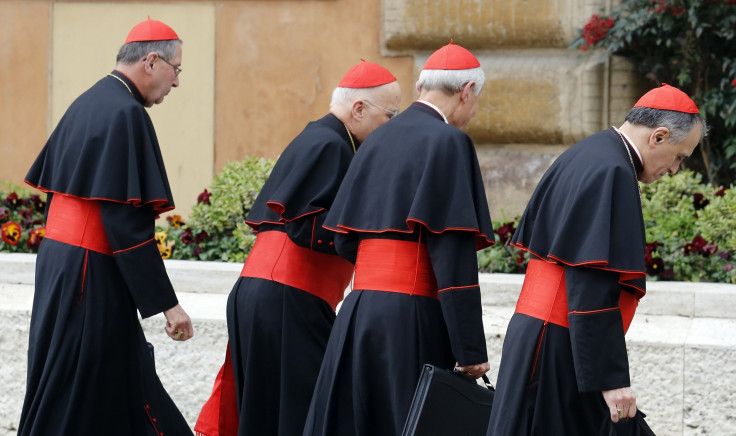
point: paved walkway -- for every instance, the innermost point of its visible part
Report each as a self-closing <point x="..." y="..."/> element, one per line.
<point x="682" y="343"/>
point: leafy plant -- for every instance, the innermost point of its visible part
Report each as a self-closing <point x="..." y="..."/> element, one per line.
<point x="690" y="44"/>
<point x="502" y="257"/>
<point x="689" y="229"/>
<point x="216" y="228"/>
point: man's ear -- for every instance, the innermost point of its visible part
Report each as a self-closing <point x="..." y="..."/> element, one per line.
<point x="660" y="135"/>
<point x="467" y="89"/>
<point x="149" y="61"/>
<point x="358" y="109"/>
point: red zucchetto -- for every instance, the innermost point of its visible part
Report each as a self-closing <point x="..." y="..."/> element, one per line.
<point x="451" y="57"/>
<point x="151" y="30"/>
<point x="366" y="75"/>
<point x="668" y="98"/>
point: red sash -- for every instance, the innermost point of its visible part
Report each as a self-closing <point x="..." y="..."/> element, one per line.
<point x="544" y="296"/>
<point x="219" y="415"/>
<point x="275" y="257"/>
<point x="77" y="221"/>
<point x="395" y="266"/>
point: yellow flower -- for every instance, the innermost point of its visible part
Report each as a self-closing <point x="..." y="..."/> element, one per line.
<point x="160" y="237"/>
<point x="165" y="250"/>
<point x="10" y="232"/>
<point x="175" y="220"/>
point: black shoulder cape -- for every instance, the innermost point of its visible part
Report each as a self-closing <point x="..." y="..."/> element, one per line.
<point x="105" y="148"/>
<point x="586" y="210"/>
<point x="306" y="177"/>
<point x="414" y="169"/>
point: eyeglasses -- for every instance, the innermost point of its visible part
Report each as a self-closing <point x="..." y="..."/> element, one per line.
<point x="389" y="113"/>
<point x="177" y="70"/>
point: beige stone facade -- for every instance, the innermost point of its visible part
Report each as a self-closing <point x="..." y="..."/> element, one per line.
<point x="255" y="72"/>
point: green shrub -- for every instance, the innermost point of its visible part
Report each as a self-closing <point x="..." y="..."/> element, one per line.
<point x="216" y="228"/>
<point x="689" y="228"/>
<point x="689" y="232"/>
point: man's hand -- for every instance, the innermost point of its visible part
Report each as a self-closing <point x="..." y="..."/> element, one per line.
<point x="178" y="325"/>
<point x="476" y="370"/>
<point x="623" y="400"/>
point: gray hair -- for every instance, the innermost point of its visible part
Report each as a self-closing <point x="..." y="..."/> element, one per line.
<point x="348" y="95"/>
<point x="133" y="52"/>
<point x="678" y="123"/>
<point x="452" y="81"/>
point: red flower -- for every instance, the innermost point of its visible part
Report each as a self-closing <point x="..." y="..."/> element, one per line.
<point x="596" y="30"/>
<point x="10" y="232"/>
<point x="204" y="197"/>
<point x="733" y="82"/>
<point x="37" y="203"/>
<point x="709" y="249"/>
<point x="197" y="251"/>
<point x="35" y="237"/>
<point x="698" y="243"/>
<point x="505" y="232"/>
<point x="12" y="200"/>
<point x="201" y="236"/>
<point x="720" y="192"/>
<point x="187" y="237"/>
<point x="699" y="201"/>
<point x="655" y="266"/>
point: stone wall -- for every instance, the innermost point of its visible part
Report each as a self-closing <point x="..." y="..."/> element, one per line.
<point x="681" y="345"/>
<point x="539" y="97"/>
<point x="256" y="72"/>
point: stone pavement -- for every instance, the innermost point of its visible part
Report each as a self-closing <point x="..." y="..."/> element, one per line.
<point x="682" y="343"/>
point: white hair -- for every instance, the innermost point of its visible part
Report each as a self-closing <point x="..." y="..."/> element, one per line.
<point x="347" y="96"/>
<point x="451" y="81"/>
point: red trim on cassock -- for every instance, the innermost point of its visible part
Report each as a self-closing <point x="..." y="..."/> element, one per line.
<point x="458" y="287"/>
<point x="76" y="221"/>
<point x="151" y="419"/>
<point x="275" y="257"/>
<point x="395" y="266"/>
<point x="133" y="247"/>
<point x="219" y="415"/>
<point x="597" y="264"/>
<point x="279" y="209"/>
<point x="410" y="223"/>
<point x="134" y="201"/>
<point x="544" y="296"/>
<point x="84" y="275"/>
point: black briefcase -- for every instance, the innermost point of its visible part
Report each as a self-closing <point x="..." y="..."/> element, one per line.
<point x="449" y="403"/>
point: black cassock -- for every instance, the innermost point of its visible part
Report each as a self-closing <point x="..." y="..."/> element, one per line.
<point x="584" y="224"/>
<point x="413" y="201"/>
<point x="279" y="316"/>
<point x="90" y="369"/>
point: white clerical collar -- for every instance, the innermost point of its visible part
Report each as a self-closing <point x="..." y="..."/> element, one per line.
<point x="632" y="144"/>
<point x="435" y="108"/>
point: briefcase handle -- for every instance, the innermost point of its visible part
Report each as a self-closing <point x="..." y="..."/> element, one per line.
<point x="487" y="382"/>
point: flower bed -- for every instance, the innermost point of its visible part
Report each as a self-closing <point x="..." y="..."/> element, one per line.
<point x="689" y="226"/>
<point x="689" y="230"/>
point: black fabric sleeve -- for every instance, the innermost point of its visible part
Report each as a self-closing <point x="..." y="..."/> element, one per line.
<point x="130" y="230"/>
<point x="456" y="269"/>
<point x="346" y="245"/>
<point x="596" y="329"/>
<point x="308" y="232"/>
